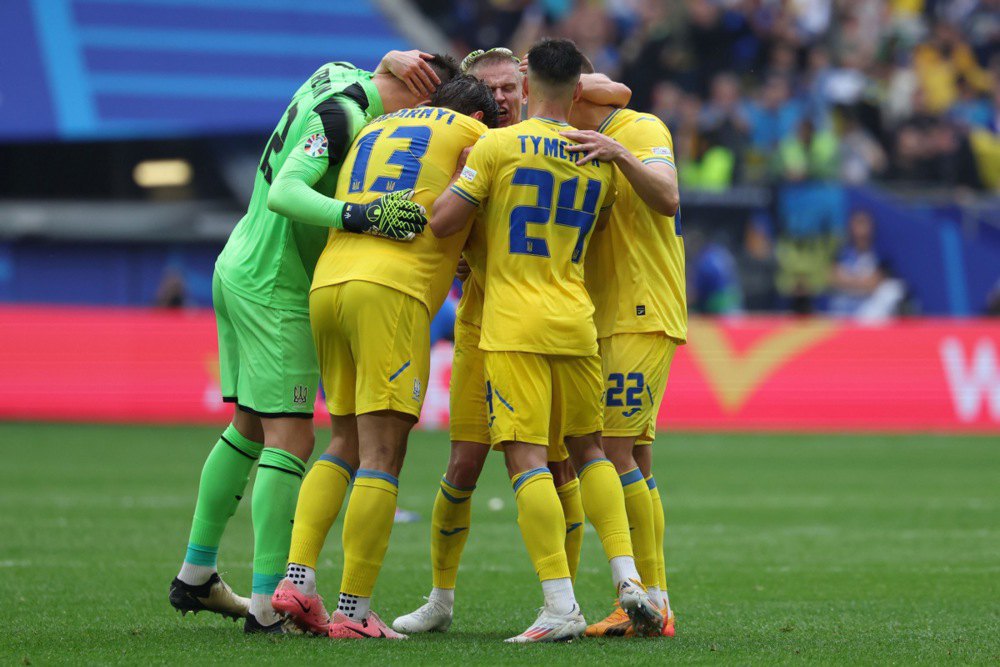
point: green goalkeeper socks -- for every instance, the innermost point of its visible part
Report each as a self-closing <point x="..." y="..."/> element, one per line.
<point x="276" y="490"/>
<point x="223" y="480"/>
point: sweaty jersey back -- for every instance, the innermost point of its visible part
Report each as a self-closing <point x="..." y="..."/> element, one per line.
<point x="539" y="211"/>
<point x="412" y="148"/>
<point x="269" y="258"/>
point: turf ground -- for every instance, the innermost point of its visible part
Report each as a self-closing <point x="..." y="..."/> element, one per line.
<point x="825" y="549"/>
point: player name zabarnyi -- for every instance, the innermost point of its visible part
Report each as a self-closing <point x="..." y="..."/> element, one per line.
<point x="422" y="112"/>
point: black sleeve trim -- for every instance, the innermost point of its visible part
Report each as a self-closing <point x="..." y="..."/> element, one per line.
<point x="337" y="127"/>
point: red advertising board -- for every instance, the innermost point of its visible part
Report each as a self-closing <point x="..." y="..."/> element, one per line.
<point x="114" y="365"/>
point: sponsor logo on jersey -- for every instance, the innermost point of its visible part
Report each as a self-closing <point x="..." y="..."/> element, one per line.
<point x="469" y="174"/>
<point x="640" y="310"/>
<point x="662" y="151"/>
<point x="316" y="145"/>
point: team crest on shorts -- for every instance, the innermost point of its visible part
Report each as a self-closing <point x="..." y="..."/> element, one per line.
<point x="416" y="389"/>
<point x="316" y="145"/>
<point x="299" y="393"/>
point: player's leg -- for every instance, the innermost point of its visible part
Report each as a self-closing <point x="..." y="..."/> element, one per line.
<point x="389" y="337"/>
<point x="278" y="380"/>
<point x="644" y="456"/>
<point x="568" y="489"/>
<point x="224" y="478"/>
<point x="368" y="522"/>
<point x="580" y="389"/>
<point x="325" y="486"/>
<point x="451" y="516"/>
<point x="320" y="500"/>
<point x="519" y="400"/>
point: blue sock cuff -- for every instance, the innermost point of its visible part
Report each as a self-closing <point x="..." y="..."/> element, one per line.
<point x="534" y="472"/>
<point x="199" y="555"/>
<point x="631" y="477"/>
<point x="588" y="464"/>
<point x="446" y="487"/>
<point x="650" y="482"/>
<point x="444" y="480"/>
<point x="377" y="474"/>
<point x="266" y="583"/>
<point x="340" y="463"/>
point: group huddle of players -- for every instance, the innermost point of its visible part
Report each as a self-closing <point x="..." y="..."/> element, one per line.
<point x="565" y="230"/>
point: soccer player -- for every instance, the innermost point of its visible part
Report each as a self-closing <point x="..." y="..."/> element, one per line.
<point x="260" y="290"/>
<point x="501" y="70"/>
<point x="371" y="305"/>
<point x="635" y="275"/>
<point x="538" y="332"/>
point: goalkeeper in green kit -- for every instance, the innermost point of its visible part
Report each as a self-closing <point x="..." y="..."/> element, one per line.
<point x="260" y="290"/>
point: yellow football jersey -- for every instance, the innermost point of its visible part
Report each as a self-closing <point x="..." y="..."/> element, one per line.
<point x="412" y="148"/>
<point x="538" y="212"/>
<point x="470" y="307"/>
<point x="635" y="269"/>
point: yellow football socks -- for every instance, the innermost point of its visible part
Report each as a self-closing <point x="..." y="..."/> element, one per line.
<point x="367" y="526"/>
<point x="540" y="517"/>
<point x="572" y="505"/>
<point x="320" y="500"/>
<point x="639" y="509"/>
<point x="449" y="530"/>
<point x="659" y="527"/>
<point x="604" y="505"/>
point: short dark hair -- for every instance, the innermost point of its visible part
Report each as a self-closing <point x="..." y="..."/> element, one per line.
<point x="444" y="66"/>
<point x="556" y="62"/>
<point x="587" y="67"/>
<point x="467" y="94"/>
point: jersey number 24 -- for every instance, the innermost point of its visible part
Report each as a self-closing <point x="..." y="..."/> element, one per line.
<point x="539" y="214"/>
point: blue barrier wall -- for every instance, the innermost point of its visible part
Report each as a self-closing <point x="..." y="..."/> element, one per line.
<point x="130" y="68"/>
<point x="948" y="272"/>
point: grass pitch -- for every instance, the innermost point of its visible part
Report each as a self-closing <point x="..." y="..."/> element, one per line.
<point x="781" y="548"/>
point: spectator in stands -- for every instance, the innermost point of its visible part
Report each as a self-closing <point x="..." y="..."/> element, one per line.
<point x="773" y="116"/>
<point x="861" y="156"/>
<point x="172" y="292"/>
<point x="758" y="267"/>
<point x="716" y="281"/>
<point x="808" y="154"/>
<point x="862" y="286"/>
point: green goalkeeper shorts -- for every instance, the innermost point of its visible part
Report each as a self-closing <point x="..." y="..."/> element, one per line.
<point x="267" y="359"/>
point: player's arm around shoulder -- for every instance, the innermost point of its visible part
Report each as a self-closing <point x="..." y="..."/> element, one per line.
<point x="649" y="169"/>
<point x="454" y="208"/>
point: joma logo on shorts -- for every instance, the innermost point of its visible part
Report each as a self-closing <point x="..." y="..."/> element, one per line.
<point x="299" y="393"/>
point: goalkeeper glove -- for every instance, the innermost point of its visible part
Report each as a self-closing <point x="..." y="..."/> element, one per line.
<point x="392" y="215"/>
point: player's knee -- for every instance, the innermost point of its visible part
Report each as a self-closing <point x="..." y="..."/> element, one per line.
<point x="619" y="452"/>
<point x="465" y="464"/>
<point x="584" y="448"/>
<point x="562" y="472"/>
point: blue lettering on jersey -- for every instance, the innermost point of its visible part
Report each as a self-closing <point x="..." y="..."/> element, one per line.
<point x="548" y="147"/>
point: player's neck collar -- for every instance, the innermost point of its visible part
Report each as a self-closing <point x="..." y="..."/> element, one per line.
<point x="607" y="121"/>
<point x="550" y="120"/>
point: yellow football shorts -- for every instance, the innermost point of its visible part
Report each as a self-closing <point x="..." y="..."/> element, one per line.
<point x="467" y="398"/>
<point x="636" y="366"/>
<point x="527" y="394"/>
<point x="373" y="344"/>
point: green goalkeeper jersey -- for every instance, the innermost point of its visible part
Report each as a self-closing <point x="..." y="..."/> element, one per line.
<point x="271" y="254"/>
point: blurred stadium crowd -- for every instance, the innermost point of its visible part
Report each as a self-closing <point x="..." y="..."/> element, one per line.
<point x="763" y="90"/>
<point x="775" y="93"/>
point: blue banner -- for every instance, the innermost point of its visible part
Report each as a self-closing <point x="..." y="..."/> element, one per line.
<point x="90" y="69"/>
